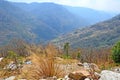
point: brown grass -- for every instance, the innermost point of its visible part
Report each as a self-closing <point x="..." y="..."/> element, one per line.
<point x="44" y="67"/>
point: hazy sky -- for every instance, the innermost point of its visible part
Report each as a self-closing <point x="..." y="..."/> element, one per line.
<point x="105" y="5"/>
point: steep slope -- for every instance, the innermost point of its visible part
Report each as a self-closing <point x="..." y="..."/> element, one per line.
<point x="56" y="16"/>
<point x="10" y="22"/>
<point x="17" y="23"/>
<point x="99" y="35"/>
<point x="80" y="16"/>
<point x="36" y="22"/>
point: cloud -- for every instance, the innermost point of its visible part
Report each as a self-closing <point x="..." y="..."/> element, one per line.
<point x="105" y="5"/>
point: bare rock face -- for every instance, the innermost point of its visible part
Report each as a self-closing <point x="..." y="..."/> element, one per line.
<point x="77" y="76"/>
<point x="109" y="75"/>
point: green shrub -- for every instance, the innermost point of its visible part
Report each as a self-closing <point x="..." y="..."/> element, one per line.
<point x="116" y="52"/>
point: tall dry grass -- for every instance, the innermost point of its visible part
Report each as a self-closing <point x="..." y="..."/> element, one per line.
<point x="44" y="65"/>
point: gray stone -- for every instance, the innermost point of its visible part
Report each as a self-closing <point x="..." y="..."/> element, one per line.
<point x="109" y="75"/>
<point x="87" y="79"/>
<point x="10" y="78"/>
<point x="1" y="59"/>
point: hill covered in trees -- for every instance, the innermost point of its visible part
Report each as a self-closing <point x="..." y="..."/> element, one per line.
<point x="103" y="34"/>
<point x="37" y="22"/>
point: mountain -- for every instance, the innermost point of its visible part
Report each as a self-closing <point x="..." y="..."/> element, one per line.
<point x="86" y="16"/>
<point x="36" y="22"/>
<point x="90" y="15"/>
<point x="17" y="23"/>
<point x="11" y="23"/>
<point x="103" y="34"/>
<point x="55" y="15"/>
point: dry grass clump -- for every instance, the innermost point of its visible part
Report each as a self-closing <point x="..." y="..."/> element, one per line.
<point x="47" y="67"/>
<point x="43" y="65"/>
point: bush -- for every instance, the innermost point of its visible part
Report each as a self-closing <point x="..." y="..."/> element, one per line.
<point x="116" y="52"/>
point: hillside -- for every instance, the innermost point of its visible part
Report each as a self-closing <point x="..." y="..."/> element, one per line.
<point x="36" y="22"/>
<point x="90" y="15"/>
<point x="103" y="34"/>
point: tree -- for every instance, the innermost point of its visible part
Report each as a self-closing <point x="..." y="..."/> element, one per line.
<point x="66" y="48"/>
<point x="116" y="52"/>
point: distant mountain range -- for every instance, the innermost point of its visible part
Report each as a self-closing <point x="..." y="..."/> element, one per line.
<point x="103" y="34"/>
<point x="37" y="22"/>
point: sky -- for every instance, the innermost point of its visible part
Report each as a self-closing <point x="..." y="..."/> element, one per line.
<point x="104" y="5"/>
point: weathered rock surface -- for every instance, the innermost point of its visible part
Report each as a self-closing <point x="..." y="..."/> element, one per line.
<point x="109" y="75"/>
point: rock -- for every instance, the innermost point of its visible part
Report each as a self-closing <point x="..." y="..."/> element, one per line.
<point x="89" y="66"/>
<point x="86" y="65"/>
<point x="60" y="79"/>
<point x="97" y="75"/>
<point x="77" y="76"/>
<point x="94" y="67"/>
<point x="10" y="78"/>
<point x="109" y="75"/>
<point x="66" y="78"/>
<point x="1" y="59"/>
<point x="117" y="69"/>
<point x="87" y="79"/>
<point x="80" y="64"/>
<point x="28" y="62"/>
<point x="12" y="66"/>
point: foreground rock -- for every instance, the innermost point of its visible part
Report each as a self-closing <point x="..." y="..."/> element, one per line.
<point x="1" y="59"/>
<point x="77" y="76"/>
<point x="10" y="78"/>
<point x="89" y="66"/>
<point x="109" y="75"/>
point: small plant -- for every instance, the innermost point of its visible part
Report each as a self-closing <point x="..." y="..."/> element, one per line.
<point x="66" y="48"/>
<point x="116" y="53"/>
<point x="64" y="56"/>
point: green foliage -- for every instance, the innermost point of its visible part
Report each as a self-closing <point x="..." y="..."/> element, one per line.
<point x="14" y="57"/>
<point x="64" y="56"/>
<point x="66" y="48"/>
<point x="11" y="55"/>
<point x="103" y="34"/>
<point x="78" y="55"/>
<point x="116" y="52"/>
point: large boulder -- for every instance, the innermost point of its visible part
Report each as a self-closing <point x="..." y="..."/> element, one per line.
<point x="109" y="75"/>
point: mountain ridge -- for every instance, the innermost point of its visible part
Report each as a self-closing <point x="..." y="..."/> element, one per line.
<point x="36" y="22"/>
<point x="103" y="34"/>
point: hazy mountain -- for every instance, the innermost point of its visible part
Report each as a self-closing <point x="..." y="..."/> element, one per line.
<point x="17" y="23"/>
<point x="90" y="15"/>
<point x="56" y="16"/>
<point x="99" y="35"/>
<point x="37" y="22"/>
